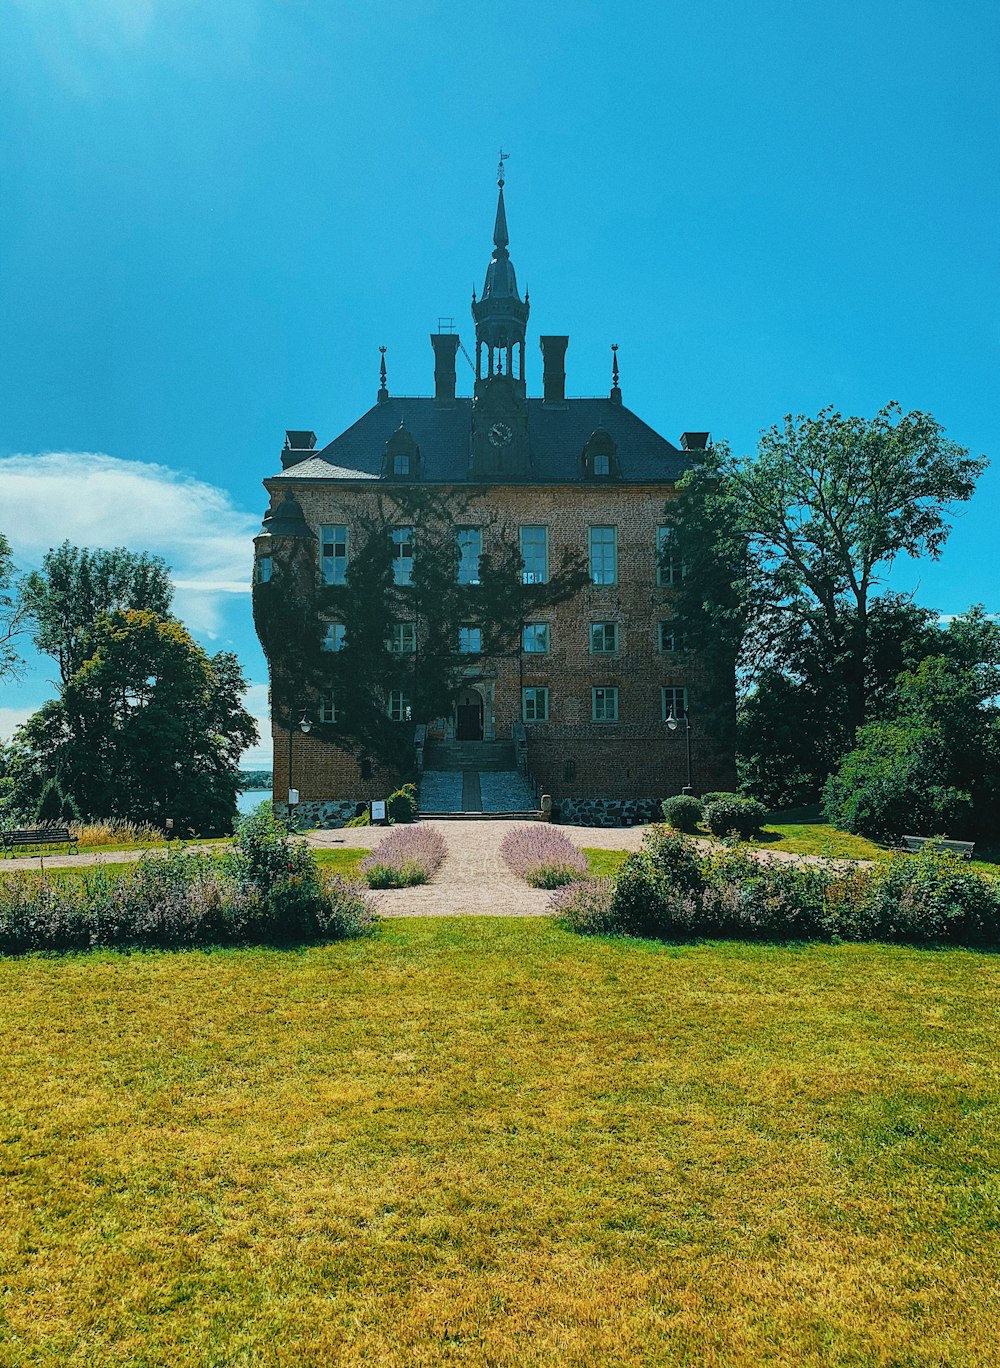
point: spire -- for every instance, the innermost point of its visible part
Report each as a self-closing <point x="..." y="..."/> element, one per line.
<point x="500" y="237"/>
<point x="616" y="394"/>
<point x="383" y="392"/>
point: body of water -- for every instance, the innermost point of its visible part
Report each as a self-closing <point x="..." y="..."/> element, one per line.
<point x="248" y="799"/>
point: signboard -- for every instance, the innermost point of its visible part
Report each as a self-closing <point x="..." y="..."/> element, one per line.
<point x="378" y="810"/>
<point x="293" y="797"/>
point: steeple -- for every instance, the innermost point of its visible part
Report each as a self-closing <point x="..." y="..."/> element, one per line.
<point x="500" y="314"/>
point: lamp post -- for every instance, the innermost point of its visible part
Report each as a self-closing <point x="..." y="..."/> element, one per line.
<point x="305" y="727"/>
<point x="672" y="724"/>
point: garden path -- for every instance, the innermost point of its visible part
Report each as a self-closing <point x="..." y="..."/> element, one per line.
<point x="474" y="880"/>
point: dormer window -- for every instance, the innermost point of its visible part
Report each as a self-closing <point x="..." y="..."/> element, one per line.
<point x="600" y="461"/>
<point x="402" y="456"/>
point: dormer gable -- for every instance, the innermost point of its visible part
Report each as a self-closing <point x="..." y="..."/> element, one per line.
<point x="401" y="460"/>
<point x="600" y="457"/>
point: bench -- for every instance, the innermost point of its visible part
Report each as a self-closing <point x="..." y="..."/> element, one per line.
<point x="963" y="849"/>
<point x="36" y="836"/>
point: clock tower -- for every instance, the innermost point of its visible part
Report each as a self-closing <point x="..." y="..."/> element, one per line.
<point x="499" y="410"/>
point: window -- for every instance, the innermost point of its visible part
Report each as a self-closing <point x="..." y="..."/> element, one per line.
<point x="404" y="638"/>
<point x="535" y="554"/>
<point x="605" y="705"/>
<point x="534" y="705"/>
<point x="535" y="638"/>
<point x="470" y="640"/>
<point x="402" y="555"/>
<point x="604" y="555"/>
<point x="602" y="465"/>
<point x="668" y="638"/>
<point x="470" y="545"/>
<point x="334" y="638"/>
<point x="399" y="706"/>
<point x="603" y="638"/>
<point x="668" y="569"/>
<point x="401" y="464"/>
<point x="264" y="570"/>
<point x="673" y="700"/>
<point x="333" y="553"/>
<point x="328" y="711"/>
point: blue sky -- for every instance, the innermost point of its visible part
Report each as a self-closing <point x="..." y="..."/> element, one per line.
<point x="214" y="213"/>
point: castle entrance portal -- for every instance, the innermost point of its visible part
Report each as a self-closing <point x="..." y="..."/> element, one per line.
<point x="469" y="716"/>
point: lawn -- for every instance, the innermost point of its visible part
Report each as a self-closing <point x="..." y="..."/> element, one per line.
<point x="486" y="1141"/>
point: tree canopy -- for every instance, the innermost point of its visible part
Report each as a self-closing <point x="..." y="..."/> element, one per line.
<point x="12" y="612"/>
<point x="148" y="727"/>
<point x="786" y="555"/>
<point x="65" y="598"/>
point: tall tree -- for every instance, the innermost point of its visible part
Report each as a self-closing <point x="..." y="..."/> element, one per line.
<point x="13" y="612"/>
<point x="148" y="727"/>
<point x="65" y="598"/>
<point x="787" y="551"/>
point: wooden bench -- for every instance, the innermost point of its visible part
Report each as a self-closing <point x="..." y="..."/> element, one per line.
<point x="36" y="836"/>
<point x="963" y="849"/>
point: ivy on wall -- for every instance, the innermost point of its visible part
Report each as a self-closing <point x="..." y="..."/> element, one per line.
<point x="293" y="609"/>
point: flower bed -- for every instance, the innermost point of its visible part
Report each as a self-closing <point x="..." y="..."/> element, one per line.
<point x="407" y="856"/>
<point x="543" y="856"/>
<point x="267" y="890"/>
<point x="669" y="890"/>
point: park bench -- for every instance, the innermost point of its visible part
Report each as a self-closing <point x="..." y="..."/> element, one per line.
<point x="963" y="849"/>
<point x="36" y="836"/>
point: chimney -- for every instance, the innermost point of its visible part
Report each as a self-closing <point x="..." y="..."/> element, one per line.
<point x="299" y="446"/>
<point x="554" y="369"/>
<point x="445" y="348"/>
<point x="696" y="441"/>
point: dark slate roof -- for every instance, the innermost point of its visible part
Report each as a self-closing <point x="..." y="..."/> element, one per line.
<point x="557" y="436"/>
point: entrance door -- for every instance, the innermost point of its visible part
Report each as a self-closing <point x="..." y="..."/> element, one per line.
<point x="469" y="717"/>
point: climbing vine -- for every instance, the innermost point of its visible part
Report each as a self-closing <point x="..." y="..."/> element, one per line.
<point x="293" y="610"/>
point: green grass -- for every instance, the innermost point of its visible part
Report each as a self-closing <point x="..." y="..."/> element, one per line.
<point x="341" y="861"/>
<point x="604" y="862"/>
<point x="486" y="1141"/>
<point x="819" y="838"/>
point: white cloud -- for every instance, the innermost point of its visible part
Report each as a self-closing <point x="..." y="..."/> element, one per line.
<point x="92" y="499"/>
<point x="11" y="719"/>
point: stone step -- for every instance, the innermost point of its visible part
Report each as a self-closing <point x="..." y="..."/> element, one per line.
<point x="481" y="756"/>
<point x="472" y="791"/>
<point x="534" y="816"/>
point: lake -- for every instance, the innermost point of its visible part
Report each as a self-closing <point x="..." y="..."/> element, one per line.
<point x="248" y="799"/>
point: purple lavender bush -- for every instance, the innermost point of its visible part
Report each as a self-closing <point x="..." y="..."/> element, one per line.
<point x="543" y="856"/>
<point x="408" y="855"/>
<point x="585" y="906"/>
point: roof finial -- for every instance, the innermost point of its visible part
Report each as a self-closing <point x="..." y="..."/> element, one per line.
<point x="504" y="156"/>
<point x="616" y="394"/>
<point x="500" y="238"/>
<point x="383" y="392"/>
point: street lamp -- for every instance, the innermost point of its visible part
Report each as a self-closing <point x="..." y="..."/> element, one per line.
<point x="305" y="727"/>
<point x="673" y="723"/>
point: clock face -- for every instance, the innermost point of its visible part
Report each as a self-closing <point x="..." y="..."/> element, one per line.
<point x="500" y="435"/>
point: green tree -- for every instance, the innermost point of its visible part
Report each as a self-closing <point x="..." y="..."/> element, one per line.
<point x="65" y="598"/>
<point x="13" y="613"/>
<point x="934" y="767"/>
<point x="148" y="727"/>
<point x="786" y="553"/>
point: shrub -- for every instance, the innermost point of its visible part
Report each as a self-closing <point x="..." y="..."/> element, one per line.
<point x="930" y="897"/>
<point x="404" y="857"/>
<point x="56" y="806"/>
<point x="735" y="816"/>
<point x="542" y="855"/>
<point x="644" y="902"/>
<point x="175" y="898"/>
<point x="707" y="798"/>
<point x="683" y="812"/>
<point x="402" y="805"/>
<point x="362" y="820"/>
<point x="585" y="906"/>
<point x="751" y="899"/>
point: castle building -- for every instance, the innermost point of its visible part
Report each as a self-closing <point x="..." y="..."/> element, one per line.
<point x="598" y="705"/>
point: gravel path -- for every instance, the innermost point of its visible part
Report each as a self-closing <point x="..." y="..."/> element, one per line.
<point x="474" y="880"/>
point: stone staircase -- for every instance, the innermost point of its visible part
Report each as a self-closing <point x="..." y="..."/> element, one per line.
<point x="473" y="779"/>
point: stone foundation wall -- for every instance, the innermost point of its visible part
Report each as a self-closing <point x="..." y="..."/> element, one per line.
<point x="606" y="812"/>
<point x="329" y="813"/>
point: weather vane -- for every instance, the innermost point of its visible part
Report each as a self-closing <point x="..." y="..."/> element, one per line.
<point x="504" y="156"/>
